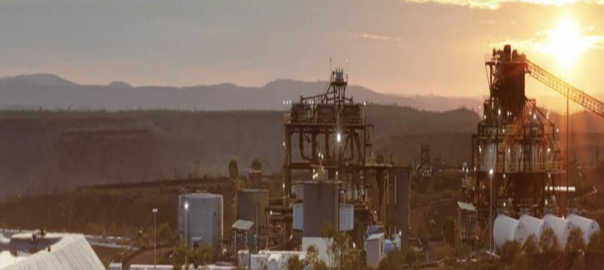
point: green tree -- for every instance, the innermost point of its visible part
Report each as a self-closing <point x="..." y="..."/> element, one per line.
<point x="233" y="169"/>
<point x="112" y="230"/>
<point x="338" y="244"/>
<point x="181" y="254"/>
<point x="294" y="263"/>
<point x="393" y="261"/>
<point x="352" y="260"/>
<point x="531" y="245"/>
<point x="510" y="250"/>
<point x="411" y="257"/>
<point x="548" y="241"/>
<point x="165" y="234"/>
<point x="257" y="164"/>
<point x="203" y="255"/>
<point x="313" y="262"/>
<point x="596" y="242"/>
<point x="578" y="262"/>
<point x="444" y="250"/>
<point x="574" y="241"/>
<point x="449" y="231"/>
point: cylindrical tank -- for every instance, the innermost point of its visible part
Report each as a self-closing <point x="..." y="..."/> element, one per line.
<point x="588" y="226"/>
<point x="251" y="204"/>
<point x="320" y="206"/>
<point x="527" y="226"/>
<point x="504" y="229"/>
<point x="200" y="218"/>
<point x="299" y="190"/>
<point x="346" y="217"/>
<point x="298" y="210"/>
<point x="558" y="225"/>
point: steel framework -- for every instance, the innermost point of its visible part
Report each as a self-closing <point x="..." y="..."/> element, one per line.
<point x="516" y="145"/>
<point x="331" y="131"/>
<point x="515" y="154"/>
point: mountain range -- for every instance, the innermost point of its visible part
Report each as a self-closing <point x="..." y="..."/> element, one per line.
<point x="51" y="92"/>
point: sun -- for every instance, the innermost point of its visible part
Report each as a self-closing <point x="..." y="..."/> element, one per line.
<point x="566" y="42"/>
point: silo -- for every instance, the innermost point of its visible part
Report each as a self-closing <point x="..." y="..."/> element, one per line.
<point x="558" y="225"/>
<point x="251" y="204"/>
<point x="588" y="226"/>
<point x="504" y="229"/>
<point x="200" y="218"/>
<point x="320" y="205"/>
<point x="528" y="225"/>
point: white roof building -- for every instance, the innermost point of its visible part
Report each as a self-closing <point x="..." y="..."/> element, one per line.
<point x="56" y="251"/>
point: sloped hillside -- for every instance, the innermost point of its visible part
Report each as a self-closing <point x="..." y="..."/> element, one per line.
<point x="47" y="151"/>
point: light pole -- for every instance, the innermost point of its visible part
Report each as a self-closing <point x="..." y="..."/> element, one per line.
<point x="491" y="212"/>
<point x="154" y="238"/>
<point x="186" y="225"/>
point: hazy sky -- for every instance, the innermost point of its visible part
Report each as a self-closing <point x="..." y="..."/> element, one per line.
<point x="406" y="47"/>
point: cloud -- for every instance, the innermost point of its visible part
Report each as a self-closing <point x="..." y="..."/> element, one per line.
<point x="374" y="37"/>
<point x="495" y="4"/>
<point x="548" y="42"/>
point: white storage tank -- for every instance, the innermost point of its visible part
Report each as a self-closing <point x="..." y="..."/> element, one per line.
<point x="588" y="226"/>
<point x="298" y="210"/>
<point x="504" y="229"/>
<point x="346" y="217"/>
<point x="299" y="190"/>
<point x="559" y="227"/>
<point x="527" y="226"/>
<point x="200" y="218"/>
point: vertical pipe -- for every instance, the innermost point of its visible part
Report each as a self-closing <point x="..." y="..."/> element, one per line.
<point x="154" y="239"/>
<point x="567" y="149"/>
<point x="491" y="215"/>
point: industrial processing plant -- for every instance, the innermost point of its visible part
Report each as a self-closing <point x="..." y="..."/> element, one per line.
<point x="329" y="166"/>
<point x="301" y="135"/>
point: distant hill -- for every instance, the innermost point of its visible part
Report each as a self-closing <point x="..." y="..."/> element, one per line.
<point x="47" y="151"/>
<point x="50" y="92"/>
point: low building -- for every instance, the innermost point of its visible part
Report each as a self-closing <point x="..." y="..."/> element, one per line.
<point x="273" y="259"/>
<point x="49" y="251"/>
<point x="150" y="267"/>
<point x="242" y="232"/>
<point x="375" y="250"/>
<point x="466" y="223"/>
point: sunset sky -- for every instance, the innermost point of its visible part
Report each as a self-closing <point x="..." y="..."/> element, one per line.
<point x="403" y="47"/>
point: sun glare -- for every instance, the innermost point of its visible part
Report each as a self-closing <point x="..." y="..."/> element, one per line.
<point x="566" y="42"/>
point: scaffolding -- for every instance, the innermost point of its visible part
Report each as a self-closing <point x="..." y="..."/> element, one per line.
<point x="331" y="131"/>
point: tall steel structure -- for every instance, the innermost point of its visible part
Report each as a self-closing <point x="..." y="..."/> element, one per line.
<point x="331" y="131"/>
<point x="518" y="142"/>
